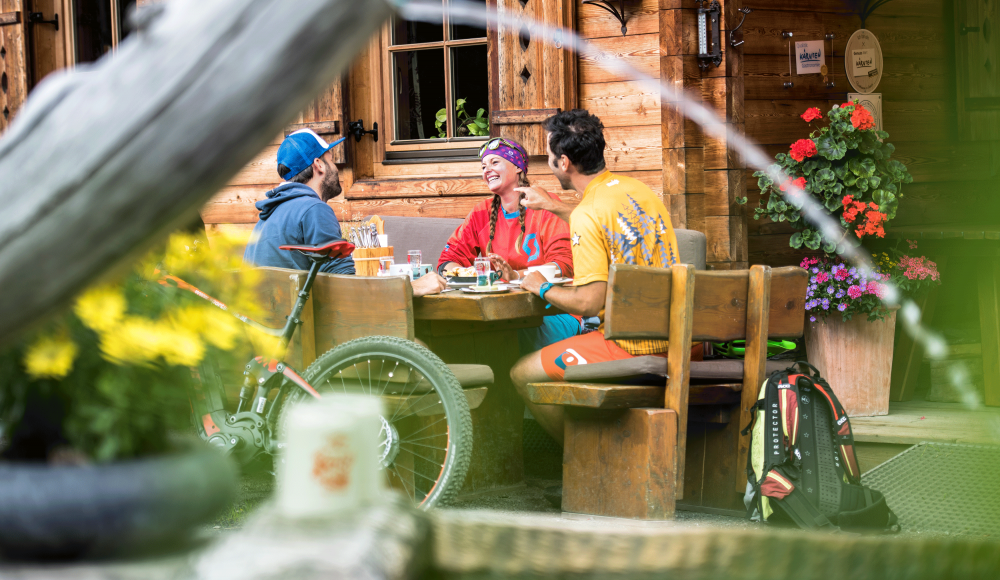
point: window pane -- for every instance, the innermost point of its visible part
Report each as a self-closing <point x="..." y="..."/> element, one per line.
<point x="469" y="69"/>
<point x="92" y="29"/>
<point x="419" y="93"/>
<point x="461" y="32"/>
<point x="406" y="32"/>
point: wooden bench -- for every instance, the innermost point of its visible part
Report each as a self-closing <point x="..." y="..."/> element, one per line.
<point x="342" y="308"/>
<point x="632" y="450"/>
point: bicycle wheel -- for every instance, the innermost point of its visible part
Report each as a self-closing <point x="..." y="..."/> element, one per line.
<point x="426" y="429"/>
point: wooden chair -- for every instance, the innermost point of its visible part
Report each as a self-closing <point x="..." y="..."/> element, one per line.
<point x="342" y="308"/>
<point x="628" y="449"/>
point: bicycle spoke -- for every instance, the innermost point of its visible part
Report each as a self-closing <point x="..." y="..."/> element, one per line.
<point x="425" y="427"/>
<point x="402" y="481"/>
<point x="410" y="405"/>
<point x="420" y="474"/>
<point x="425" y="437"/>
<point x="444" y="448"/>
<point x="427" y="459"/>
<point x="404" y="395"/>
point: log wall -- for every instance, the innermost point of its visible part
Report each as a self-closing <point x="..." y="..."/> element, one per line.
<point x="648" y="140"/>
<point x="630" y="112"/>
<point x="952" y="178"/>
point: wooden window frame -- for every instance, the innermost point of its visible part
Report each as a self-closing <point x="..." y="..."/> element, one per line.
<point x="72" y="58"/>
<point x="408" y="150"/>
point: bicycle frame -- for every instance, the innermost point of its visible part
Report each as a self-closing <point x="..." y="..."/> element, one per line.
<point x="248" y="432"/>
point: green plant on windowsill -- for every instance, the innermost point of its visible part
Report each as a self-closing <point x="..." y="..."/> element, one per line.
<point x="478" y="126"/>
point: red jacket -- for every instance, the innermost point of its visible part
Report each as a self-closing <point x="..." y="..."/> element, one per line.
<point x="546" y="239"/>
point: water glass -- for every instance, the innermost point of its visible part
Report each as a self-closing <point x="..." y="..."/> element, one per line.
<point x="413" y="259"/>
<point x="483" y="269"/>
<point x="383" y="265"/>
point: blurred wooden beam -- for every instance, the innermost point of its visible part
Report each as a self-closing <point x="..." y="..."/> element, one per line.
<point x="106" y="159"/>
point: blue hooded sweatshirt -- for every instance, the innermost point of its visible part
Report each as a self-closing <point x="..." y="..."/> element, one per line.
<point x="293" y="215"/>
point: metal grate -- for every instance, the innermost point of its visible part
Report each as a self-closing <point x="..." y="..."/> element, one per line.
<point x="942" y="487"/>
<point x="537" y="441"/>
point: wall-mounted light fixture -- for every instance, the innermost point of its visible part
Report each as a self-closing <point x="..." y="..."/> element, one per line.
<point x="618" y="13"/>
<point x="709" y="42"/>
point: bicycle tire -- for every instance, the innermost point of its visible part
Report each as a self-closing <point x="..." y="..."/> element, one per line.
<point x="457" y="451"/>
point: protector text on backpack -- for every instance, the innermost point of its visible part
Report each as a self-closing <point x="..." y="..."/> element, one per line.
<point x="801" y="467"/>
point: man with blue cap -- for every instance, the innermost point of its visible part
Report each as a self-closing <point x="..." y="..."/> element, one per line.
<point x="296" y="213"/>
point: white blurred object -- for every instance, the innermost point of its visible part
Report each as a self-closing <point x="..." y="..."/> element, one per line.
<point x="401" y="270"/>
<point x="383" y="240"/>
<point x="330" y="464"/>
<point x="550" y="271"/>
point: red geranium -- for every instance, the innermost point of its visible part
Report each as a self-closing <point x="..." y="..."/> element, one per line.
<point x="862" y="119"/>
<point x="800" y="183"/>
<point x="811" y="114"/>
<point x="803" y="148"/>
<point x="847" y="104"/>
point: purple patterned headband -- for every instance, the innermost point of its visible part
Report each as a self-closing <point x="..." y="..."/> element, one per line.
<point x="507" y="149"/>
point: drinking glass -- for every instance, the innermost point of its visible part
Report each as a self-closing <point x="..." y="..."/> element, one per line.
<point x="413" y="259"/>
<point x="383" y="265"/>
<point x="483" y="270"/>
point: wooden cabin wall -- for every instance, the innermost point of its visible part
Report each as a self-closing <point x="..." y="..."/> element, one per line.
<point x="630" y="112"/>
<point x="952" y="178"/>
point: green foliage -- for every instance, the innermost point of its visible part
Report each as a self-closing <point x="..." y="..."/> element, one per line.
<point x="478" y="126"/>
<point x="848" y="162"/>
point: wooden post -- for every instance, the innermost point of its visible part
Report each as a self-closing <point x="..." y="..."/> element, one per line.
<point x="755" y="359"/>
<point x="679" y="359"/>
<point x="144" y="137"/>
<point x="620" y="463"/>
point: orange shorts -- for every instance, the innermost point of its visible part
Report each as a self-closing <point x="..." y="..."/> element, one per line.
<point x="588" y="348"/>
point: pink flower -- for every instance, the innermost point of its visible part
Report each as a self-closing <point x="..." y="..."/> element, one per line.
<point x="919" y="268"/>
<point x="807" y="261"/>
<point x="822" y="277"/>
<point x="875" y="288"/>
<point x="912" y="243"/>
<point x="855" y="292"/>
<point x="841" y="274"/>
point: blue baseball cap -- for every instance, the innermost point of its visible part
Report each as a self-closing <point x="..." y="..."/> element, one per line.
<point x="298" y="151"/>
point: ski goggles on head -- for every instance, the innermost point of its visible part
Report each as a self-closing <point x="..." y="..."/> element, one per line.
<point x="509" y="150"/>
<point x="495" y="143"/>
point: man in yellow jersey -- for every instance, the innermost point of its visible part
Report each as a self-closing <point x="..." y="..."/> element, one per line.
<point x="619" y="221"/>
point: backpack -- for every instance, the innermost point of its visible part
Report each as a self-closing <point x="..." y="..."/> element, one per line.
<point x="801" y="468"/>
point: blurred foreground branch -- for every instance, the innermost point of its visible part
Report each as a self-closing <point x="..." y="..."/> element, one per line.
<point x="104" y="160"/>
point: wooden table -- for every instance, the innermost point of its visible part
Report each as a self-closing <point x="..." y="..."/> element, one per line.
<point x="937" y="242"/>
<point x="482" y="329"/>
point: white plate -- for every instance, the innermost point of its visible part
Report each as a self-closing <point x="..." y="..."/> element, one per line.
<point x="557" y="281"/>
<point x="461" y="284"/>
<point x="486" y="289"/>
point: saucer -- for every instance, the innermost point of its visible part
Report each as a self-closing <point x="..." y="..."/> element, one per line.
<point x="486" y="289"/>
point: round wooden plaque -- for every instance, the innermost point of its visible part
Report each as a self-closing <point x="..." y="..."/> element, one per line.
<point x="863" y="61"/>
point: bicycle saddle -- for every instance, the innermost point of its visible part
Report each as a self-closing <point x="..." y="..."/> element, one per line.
<point x="333" y="250"/>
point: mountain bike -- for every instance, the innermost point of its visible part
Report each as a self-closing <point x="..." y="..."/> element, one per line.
<point x="426" y="437"/>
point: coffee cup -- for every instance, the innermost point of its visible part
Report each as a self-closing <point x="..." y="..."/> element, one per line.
<point x="550" y="271"/>
<point x="401" y="270"/>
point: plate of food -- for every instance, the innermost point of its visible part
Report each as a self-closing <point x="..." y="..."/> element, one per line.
<point x="486" y="289"/>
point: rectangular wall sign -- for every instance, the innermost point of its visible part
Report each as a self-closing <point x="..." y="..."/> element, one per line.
<point x="809" y="57"/>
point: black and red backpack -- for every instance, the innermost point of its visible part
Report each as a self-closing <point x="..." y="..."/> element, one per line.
<point x="801" y="468"/>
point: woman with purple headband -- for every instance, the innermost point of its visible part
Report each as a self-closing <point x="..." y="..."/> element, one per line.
<point x="512" y="236"/>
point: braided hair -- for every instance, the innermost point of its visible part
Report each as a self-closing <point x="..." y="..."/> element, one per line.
<point x="522" y="181"/>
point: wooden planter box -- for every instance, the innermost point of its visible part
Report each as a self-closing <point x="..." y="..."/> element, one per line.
<point x="855" y="357"/>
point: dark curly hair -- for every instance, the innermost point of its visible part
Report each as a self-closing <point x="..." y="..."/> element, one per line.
<point x="580" y="137"/>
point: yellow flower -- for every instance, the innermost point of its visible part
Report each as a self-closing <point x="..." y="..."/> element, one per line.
<point x="216" y="327"/>
<point x="142" y="341"/>
<point x="50" y="357"/>
<point x="101" y="307"/>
